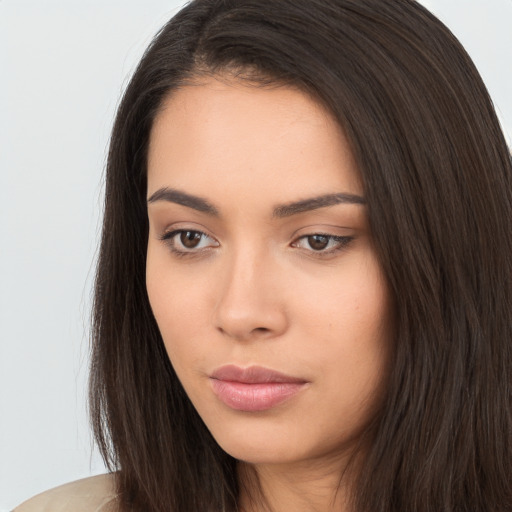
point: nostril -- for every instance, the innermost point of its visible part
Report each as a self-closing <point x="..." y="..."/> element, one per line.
<point x="242" y="334"/>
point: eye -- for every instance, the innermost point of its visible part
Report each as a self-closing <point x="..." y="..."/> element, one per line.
<point x="185" y="241"/>
<point x="323" y="243"/>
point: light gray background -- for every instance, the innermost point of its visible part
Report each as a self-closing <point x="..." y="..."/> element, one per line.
<point x="63" y="65"/>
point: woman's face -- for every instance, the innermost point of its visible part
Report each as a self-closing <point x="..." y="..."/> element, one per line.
<point x="261" y="271"/>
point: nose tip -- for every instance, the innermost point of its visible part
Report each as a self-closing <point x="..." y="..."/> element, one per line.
<point x="250" y="304"/>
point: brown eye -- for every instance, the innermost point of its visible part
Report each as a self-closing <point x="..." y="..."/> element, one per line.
<point x="183" y="242"/>
<point x="318" y="242"/>
<point x="190" y="239"/>
<point x="323" y="245"/>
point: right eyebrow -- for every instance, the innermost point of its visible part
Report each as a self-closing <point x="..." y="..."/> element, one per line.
<point x="176" y="196"/>
<point x="315" y="203"/>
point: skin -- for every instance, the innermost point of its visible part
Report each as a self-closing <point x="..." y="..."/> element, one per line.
<point x="254" y="291"/>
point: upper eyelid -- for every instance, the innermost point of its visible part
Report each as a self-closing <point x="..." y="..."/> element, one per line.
<point x="166" y="233"/>
<point x="322" y="233"/>
<point x="171" y="233"/>
<point x="177" y="229"/>
<point x="344" y="240"/>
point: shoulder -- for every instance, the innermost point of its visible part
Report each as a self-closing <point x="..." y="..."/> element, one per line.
<point x="94" y="494"/>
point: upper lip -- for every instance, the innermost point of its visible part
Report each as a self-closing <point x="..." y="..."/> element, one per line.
<point x="252" y="375"/>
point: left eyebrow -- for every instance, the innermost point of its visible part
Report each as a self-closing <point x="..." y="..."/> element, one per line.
<point x="314" y="203"/>
<point x="177" y="196"/>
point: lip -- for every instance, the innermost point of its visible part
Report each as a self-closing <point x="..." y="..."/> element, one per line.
<point x="254" y="388"/>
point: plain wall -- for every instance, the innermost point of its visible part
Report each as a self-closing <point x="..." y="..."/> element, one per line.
<point x="63" y="65"/>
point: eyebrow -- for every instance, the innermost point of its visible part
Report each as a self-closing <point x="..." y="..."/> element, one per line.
<point x="314" y="203"/>
<point x="281" y="211"/>
<point x="176" y="196"/>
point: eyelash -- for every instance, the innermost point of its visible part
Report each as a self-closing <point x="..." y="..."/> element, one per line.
<point x="341" y="243"/>
<point x="169" y="239"/>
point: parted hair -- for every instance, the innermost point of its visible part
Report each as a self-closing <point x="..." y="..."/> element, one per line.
<point x="437" y="178"/>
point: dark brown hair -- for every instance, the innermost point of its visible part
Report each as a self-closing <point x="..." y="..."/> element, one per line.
<point x="438" y="181"/>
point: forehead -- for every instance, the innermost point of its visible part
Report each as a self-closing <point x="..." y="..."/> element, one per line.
<point x="228" y="138"/>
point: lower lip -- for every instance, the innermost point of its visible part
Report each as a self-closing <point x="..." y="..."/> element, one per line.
<point x="254" y="397"/>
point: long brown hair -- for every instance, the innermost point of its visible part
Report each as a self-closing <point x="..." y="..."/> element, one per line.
<point x="438" y="181"/>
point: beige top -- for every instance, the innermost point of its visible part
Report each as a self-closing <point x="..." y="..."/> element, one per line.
<point x="94" y="494"/>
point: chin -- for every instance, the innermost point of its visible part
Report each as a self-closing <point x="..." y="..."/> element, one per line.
<point x="256" y="439"/>
<point x="264" y="452"/>
<point x="263" y="440"/>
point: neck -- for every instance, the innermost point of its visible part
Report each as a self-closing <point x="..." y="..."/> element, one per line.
<point x="308" y="486"/>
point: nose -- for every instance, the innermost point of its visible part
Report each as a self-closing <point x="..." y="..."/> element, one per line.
<point x="251" y="300"/>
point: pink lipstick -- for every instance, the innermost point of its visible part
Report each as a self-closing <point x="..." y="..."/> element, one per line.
<point x="253" y="389"/>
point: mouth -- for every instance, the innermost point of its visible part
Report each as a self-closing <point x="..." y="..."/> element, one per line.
<point x="254" y="388"/>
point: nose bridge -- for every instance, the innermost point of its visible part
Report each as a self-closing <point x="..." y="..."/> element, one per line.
<point x="249" y="302"/>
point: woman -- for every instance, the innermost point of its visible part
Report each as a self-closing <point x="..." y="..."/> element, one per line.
<point x="303" y="297"/>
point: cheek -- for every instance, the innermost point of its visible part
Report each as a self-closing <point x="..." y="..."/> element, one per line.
<point x="179" y="308"/>
<point x="351" y="323"/>
<point x="352" y="308"/>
